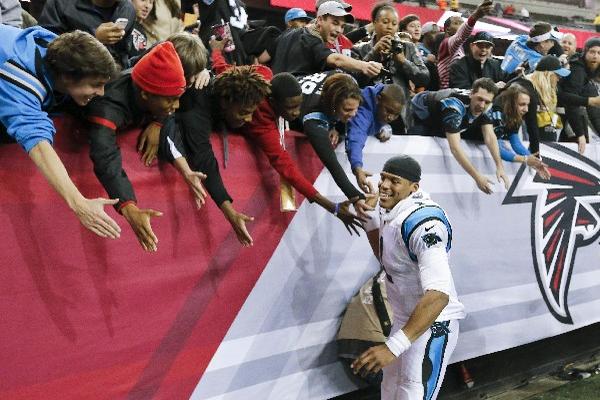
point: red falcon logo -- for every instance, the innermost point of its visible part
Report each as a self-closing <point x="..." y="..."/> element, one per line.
<point x="565" y="216"/>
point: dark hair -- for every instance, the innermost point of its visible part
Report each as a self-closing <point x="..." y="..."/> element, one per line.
<point x="407" y="20"/>
<point x="337" y="88"/>
<point x="539" y="28"/>
<point x="395" y="92"/>
<point x="485" y="84"/>
<point x="285" y="85"/>
<point x="78" y="55"/>
<point x="191" y="52"/>
<point x="508" y="103"/>
<point x="241" y="85"/>
<point x="379" y="7"/>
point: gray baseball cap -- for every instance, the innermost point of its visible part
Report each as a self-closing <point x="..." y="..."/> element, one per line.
<point x="346" y="6"/>
<point x="334" y="8"/>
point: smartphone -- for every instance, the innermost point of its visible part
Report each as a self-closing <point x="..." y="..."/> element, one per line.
<point x="223" y="32"/>
<point x="122" y="23"/>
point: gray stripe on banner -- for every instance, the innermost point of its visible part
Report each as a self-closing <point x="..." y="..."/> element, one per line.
<point x="522" y="311"/>
<point x="254" y="372"/>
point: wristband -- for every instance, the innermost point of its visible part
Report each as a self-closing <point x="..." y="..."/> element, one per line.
<point x="337" y="209"/>
<point x="398" y="343"/>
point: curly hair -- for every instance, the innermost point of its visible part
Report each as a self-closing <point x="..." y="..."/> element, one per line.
<point x="337" y="88"/>
<point x="508" y="102"/>
<point x="78" y="55"/>
<point x="241" y="85"/>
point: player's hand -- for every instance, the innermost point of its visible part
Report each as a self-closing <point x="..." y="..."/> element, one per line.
<point x="373" y="360"/>
<point x="362" y="208"/>
<point x="484" y="184"/>
<point x="109" y="33"/>
<point x="139" y="219"/>
<point x="91" y="214"/>
<point x="501" y="176"/>
<point x="148" y="143"/>
<point x="362" y="179"/>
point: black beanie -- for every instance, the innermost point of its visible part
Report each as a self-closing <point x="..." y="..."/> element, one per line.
<point x="591" y="42"/>
<point x="404" y="166"/>
<point x="285" y="85"/>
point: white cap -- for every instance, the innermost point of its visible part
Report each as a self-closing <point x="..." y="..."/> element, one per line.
<point x="336" y="9"/>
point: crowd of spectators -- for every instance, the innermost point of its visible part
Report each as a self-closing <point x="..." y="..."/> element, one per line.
<point x="119" y="64"/>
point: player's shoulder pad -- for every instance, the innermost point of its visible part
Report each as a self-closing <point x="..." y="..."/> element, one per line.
<point x="420" y="216"/>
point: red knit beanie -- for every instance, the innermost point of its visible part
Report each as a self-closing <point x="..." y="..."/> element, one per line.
<point x="160" y="72"/>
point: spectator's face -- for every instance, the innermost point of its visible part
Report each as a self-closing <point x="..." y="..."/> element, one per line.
<point x="84" y="90"/>
<point x="388" y="109"/>
<point x="159" y="106"/>
<point x="386" y="23"/>
<point x="236" y="115"/>
<point x="568" y="44"/>
<point x="142" y="8"/>
<point x="330" y="27"/>
<point x="455" y="23"/>
<point x="289" y="108"/>
<point x="544" y="47"/>
<point x="481" y="51"/>
<point x="297" y="23"/>
<point x="480" y="101"/>
<point x="414" y="29"/>
<point x="393" y="189"/>
<point x="522" y="104"/>
<point x="347" y="109"/>
<point x="592" y="58"/>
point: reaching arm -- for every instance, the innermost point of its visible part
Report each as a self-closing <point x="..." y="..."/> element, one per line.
<point x="489" y="138"/>
<point x="90" y="212"/>
<point x="369" y="68"/>
<point x="460" y="156"/>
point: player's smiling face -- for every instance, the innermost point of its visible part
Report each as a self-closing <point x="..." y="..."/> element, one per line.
<point x="393" y="189"/>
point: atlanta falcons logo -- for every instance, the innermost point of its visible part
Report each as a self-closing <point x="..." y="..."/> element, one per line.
<point x="565" y="216"/>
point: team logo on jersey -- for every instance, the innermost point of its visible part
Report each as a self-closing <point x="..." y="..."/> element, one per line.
<point x="431" y="239"/>
<point x="565" y="216"/>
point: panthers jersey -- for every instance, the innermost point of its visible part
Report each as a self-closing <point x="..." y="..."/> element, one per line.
<point x="414" y="238"/>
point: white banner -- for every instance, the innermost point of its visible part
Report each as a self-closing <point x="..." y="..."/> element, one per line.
<point x="525" y="263"/>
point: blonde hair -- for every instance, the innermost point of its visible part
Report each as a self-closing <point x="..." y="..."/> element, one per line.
<point x="545" y="88"/>
<point x="191" y="52"/>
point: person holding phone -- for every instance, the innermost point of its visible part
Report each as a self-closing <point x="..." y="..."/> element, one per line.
<point x="97" y="17"/>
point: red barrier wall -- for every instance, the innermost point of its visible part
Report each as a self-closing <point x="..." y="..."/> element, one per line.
<point x="89" y="318"/>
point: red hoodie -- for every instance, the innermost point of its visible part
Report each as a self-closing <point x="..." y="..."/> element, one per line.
<point x="264" y="130"/>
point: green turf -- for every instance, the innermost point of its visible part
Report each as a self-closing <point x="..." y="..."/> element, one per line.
<point x="586" y="389"/>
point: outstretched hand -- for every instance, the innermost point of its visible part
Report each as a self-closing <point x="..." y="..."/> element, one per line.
<point x="484" y="184"/>
<point x="351" y="221"/>
<point x="139" y="219"/>
<point x="363" y="181"/>
<point x="501" y="176"/>
<point x="538" y="165"/>
<point x="193" y="180"/>
<point x="91" y="214"/>
<point x="238" y="223"/>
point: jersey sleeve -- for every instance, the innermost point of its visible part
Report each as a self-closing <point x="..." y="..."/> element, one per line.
<point x="428" y="236"/>
<point x="453" y="111"/>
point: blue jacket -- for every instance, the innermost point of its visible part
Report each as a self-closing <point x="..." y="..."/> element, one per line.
<point x="363" y="124"/>
<point x="517" y="53"/>
<point x="25" y="85"/>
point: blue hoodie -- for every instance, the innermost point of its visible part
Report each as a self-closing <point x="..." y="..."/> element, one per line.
<point x="25" y="85"/>
<point x="363" y="124"/>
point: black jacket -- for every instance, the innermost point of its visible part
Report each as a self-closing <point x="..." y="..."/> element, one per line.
<point x="574" y="92"/>
<point x="60" y="16"/>
<point x="465" y="71"/>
